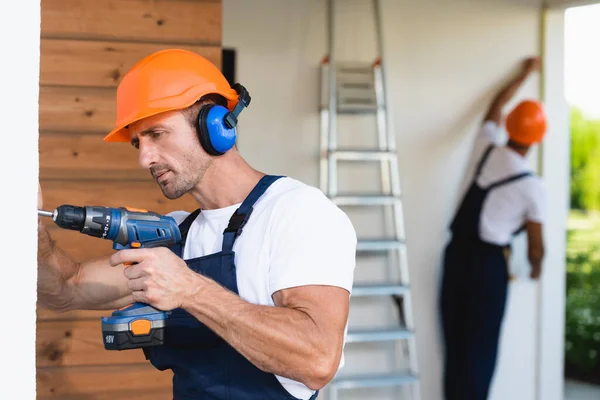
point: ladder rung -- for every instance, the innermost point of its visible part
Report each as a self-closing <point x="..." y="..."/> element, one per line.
<point x="379" y="335"/>
<point x="370" y="381"/>
<point x="378" y="244"/>
<point x="349" y="67"/>
<point x="358" y="108"/>
<point x="378" y="290"/>
<point x="355" y="77"/>
<point x="362" y="155"/>
<point x="365" y="200"/>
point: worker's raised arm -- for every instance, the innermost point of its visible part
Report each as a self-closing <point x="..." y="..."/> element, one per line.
<point x="505" y="94"/>
<point x="64" y="284"/>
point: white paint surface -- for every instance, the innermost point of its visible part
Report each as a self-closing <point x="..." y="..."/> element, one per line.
<point x="19" y="80"/>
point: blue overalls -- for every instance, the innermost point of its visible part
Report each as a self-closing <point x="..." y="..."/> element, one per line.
<point x="473" y="297"/>
<point x="205" y="367"/>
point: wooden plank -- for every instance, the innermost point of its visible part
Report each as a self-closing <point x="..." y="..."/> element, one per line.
<point x="78" y="343"/>
<point x="174" y="21"/>
<point x="100" y="382"/>
<point x="77" y="109"/>
<point x="100" y="63"/>
<point x="43" y="314"/>
<point x="146" y="195"/>
<point x="162" y="394"/>
<point x="69" y="156"/>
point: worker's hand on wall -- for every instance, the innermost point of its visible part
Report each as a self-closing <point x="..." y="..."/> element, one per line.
<point x="531" y="64"/>
<point x="536" y="271"/>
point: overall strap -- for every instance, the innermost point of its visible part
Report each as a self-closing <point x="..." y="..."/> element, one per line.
<point x="184" y="227"/>
<point x="483" y="160"/>
<point x="242" y="214"/>
<point x="508" y="180"/>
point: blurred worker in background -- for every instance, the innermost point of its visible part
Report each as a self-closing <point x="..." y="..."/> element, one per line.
<point x="263" y="279"/>
<point x="504" y="198"/>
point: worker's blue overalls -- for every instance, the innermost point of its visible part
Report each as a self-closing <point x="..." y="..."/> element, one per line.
<point x="474" y="288"/>
<point x="206" y="367"/>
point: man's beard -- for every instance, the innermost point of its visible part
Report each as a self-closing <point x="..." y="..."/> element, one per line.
<point x="174" y="190"/>
<point x="178" y="183"/>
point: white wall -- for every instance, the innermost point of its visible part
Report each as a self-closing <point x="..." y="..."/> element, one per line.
<point x="19" y="79"/>
<point x="444" y="61"/>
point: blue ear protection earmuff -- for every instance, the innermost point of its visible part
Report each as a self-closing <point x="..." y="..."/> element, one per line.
<point x="217" y="125"/>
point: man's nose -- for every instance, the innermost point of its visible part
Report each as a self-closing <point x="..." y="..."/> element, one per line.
<point x="148" y="155"/>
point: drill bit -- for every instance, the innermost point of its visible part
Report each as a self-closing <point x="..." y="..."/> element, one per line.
<point x="46" y="213"/>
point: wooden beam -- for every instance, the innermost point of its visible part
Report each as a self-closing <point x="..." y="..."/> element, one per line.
<point x="164" y="21"/>
<point x="88" y="157"/>
<point x="78" y="343"/>
<point x="153" y="394"/>
<point x="100" y="63"/>
<point x="93" y="382"/>
<point x="48" y="315"/>
<point x="146" y="195"/>
<point x="77" y="109"/>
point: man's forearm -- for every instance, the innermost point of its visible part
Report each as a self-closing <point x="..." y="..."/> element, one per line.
<point x="279" y="340"/>
<point x="509" y="90"/>
<point x="503" y="97"/>
<point x="55" y="268"/>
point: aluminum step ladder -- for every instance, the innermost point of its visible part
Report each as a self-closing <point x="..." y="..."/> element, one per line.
<point x="354" y="88"/>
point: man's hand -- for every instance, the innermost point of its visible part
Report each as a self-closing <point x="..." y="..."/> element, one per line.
<point x="531" y="64"/>
<point x="159" y="278"/>
<point x="536" y="271"/>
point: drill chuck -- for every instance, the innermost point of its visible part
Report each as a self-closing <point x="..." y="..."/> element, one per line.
<point x="70" y="217"/>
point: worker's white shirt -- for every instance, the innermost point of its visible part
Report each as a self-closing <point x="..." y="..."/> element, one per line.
<point x="509" y="206"/>
<point x="295" y="236"/>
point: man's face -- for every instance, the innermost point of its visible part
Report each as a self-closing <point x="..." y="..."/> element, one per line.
<point x="169" y="148"/>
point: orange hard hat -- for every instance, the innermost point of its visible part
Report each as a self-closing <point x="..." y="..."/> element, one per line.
<point x="167" y="80"/>
<point x="526" y="123"/>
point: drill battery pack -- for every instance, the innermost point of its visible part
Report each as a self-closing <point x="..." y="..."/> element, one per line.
<point x="135" y="326"/>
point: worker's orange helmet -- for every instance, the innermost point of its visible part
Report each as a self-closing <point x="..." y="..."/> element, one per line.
<point x="526" y="123"/>
<point x="167" y="80"/>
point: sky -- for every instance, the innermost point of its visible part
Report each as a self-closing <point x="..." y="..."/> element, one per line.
<point x="582" y="58"/>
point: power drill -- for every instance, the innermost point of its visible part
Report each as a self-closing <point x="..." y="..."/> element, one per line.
<point x="137" y="325"/>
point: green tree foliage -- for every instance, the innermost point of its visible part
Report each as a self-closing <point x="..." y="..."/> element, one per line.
<point x="585" y="162"/>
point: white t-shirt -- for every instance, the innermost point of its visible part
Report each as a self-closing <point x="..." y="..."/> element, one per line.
<point x="295" y="236"/>
<point x="509" y="206"/>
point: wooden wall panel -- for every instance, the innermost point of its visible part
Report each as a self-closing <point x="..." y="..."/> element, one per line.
<point x="87" y="46"/>
<point x="93" y="382"/>
<point x="145" y="394"/>
<point x="47" y="315"/>
<point x="146" y="195"/>
<point x="69" y="156"/>
<point x="78" y="343"/>
<point x="172" y="21"/>
<point x="77" y="109"/>
<point x="70" y="62"/>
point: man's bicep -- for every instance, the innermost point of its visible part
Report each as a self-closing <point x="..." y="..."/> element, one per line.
<point x="326" y="305"/>
<point x="99" y="286"/>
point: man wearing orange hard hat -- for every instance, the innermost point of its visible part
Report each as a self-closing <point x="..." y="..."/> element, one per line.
<point x="505" y="197"/>
<point x="259" y="287"/>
